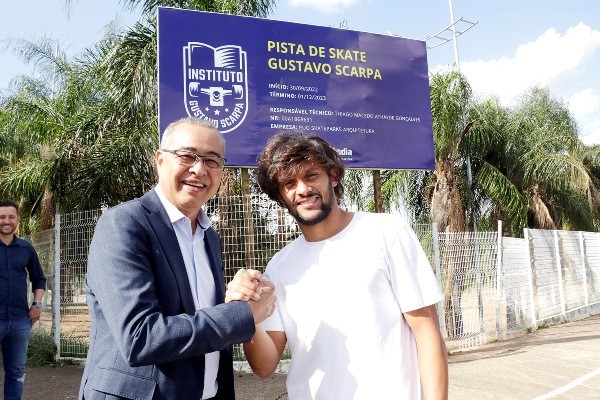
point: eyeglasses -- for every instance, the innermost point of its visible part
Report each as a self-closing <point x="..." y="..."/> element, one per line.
<point x="189" y="159"/>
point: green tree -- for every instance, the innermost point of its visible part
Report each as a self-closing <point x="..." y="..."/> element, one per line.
<point x="130" y="66"/>
<point x="529" y="168"/>
<point x="84" y="134"/>
<point x="553" y="169"/>
<point x="69" y="143"/>
<point x="450" y="99"/>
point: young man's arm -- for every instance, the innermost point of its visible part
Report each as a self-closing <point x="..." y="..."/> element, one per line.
<point x="433" y="360"/>
<point x="264" y="351"/>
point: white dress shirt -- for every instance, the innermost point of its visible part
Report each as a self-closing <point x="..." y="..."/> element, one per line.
<point x="199" y="275"/>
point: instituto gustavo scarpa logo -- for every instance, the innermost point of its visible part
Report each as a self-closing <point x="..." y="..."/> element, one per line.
<point x="216" y="84"/>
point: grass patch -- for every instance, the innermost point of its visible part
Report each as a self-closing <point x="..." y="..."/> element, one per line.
<point x="544" y="325"/>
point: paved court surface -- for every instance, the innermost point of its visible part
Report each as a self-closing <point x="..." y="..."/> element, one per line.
<point x="560" y="362"/>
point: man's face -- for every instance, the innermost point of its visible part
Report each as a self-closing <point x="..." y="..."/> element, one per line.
<point x="9" y="219"/>
<point x="308" y="196"/>
<point x="189" y="187"/>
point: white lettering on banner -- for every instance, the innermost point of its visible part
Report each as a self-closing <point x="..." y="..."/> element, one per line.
<point x="215" y="75"/>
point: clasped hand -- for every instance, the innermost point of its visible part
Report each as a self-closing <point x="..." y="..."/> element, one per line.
<point x="248" y="285"/>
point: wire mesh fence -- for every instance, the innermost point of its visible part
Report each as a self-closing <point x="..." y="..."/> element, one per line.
<point x="71" y="316"/>
<point x="491" y="285"/>
<point x="591" y="250"/>
<point x="468" y="261"/>
<point x="565" y="269"/>
<point x="252" y="230"/>
<point x="515" y="285"/>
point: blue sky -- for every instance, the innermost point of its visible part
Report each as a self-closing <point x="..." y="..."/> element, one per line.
<point x="514" y="45"/>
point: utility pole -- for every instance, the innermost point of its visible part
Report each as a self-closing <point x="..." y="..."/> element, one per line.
<point x="451" y="32"/>
<point x="453" y="27"/>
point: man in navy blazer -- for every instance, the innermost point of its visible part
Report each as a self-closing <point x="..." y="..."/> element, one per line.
<point x="159" y="326"/>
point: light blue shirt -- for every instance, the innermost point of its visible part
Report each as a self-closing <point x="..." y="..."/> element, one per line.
<point x="199" y="275"/>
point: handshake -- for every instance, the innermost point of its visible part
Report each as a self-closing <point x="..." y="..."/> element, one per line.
<point x="248" y="285"/>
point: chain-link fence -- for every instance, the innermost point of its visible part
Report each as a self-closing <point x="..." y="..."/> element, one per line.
<point x="492" y="285"/>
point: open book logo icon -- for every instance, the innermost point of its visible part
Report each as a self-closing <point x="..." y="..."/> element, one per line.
<point x="216" y="84"/>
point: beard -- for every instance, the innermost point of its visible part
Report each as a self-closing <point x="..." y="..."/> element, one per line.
<point x="8" y="230"/>
<point x="322" y="213"/>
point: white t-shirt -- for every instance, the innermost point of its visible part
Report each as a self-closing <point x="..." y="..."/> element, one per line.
<point x="340" y="303"/>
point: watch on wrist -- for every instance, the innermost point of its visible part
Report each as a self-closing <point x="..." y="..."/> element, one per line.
<point x="38" y="304"/>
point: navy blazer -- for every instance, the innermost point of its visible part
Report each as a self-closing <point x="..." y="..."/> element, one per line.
<point x="147" y="341"/>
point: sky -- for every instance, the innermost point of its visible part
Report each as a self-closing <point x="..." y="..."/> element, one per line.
<point x="511" y="44"/>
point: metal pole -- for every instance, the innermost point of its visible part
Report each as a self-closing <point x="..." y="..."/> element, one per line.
<point x="583" y="268"/>
<point x="499" y="282"/>
<point x="457" y="61"/>
<point x="559" y="273"/>
<point x="438" y="273"/>
<point x="452" y="22"/>
<point x="249" y="223"/>
<point x="479" y="281"/>
<point x="56" y="293"/>
<point x="530" y="279"/>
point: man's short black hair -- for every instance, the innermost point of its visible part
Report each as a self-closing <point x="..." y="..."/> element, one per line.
<point x="9" y="203"/>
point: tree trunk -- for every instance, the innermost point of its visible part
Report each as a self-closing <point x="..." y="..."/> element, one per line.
<point x="47" y="210"/>
<point x="228" y="227"/>
<point x="446" y="204"/>
<point x="448" y="213"/>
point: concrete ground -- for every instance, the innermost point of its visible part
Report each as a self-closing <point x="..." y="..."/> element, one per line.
<point x="560" y="362"/>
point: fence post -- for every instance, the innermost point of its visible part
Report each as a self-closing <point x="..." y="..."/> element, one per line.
<point x="499" y="281"/>
<point x="478" y="278"/>
<point x="559" y="274"/>
<point x="248" y="221"/>
<point x="56" y="289"/>
<point x="530" y="278"/>
<point x="583" y="269"/>
<point x="438" y="274"/>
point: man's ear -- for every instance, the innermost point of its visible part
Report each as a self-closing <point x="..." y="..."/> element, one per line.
<point x="158" y="157"/>
<point x="334" y="175"/>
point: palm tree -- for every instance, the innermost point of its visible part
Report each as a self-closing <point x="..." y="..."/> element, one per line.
<point x="554" y="170"/>
<point x="529" y="167"/>
<point x="86" y="133"/>
<point x="450" y="98"/>
<point x="496" y="196"/>
<point x="130" y="67"/>
<point x="28" y="131"/>
<point x="81" y="151"/>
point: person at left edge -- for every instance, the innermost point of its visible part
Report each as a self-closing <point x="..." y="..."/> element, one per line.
<point x="155" y="289"/>
<point x="18" y="259"/>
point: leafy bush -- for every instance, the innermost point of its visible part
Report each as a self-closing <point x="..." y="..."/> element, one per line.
<point x="41" y="348"/>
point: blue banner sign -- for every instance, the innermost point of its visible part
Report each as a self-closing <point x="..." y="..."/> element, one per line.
<point x="366" y="94"/>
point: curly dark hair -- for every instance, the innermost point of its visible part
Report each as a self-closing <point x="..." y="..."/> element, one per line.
<point x="287" y="151"/>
